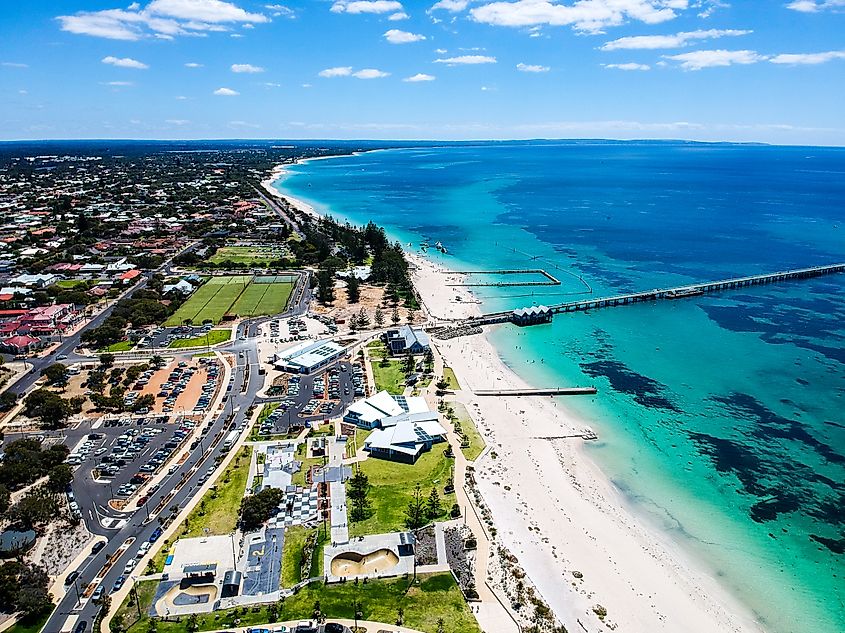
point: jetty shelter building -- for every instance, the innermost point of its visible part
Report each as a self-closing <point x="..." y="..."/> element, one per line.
<point x="531" y="316"/>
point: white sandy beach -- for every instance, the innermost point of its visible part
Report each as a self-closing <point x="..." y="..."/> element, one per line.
<point x="553" y="507"/>
<point x="556" y="511"/>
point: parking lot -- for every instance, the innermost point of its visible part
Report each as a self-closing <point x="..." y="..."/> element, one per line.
<point x="314" y="398"/>
<point x="118" y="459"/>
<point x="183" y="386"/>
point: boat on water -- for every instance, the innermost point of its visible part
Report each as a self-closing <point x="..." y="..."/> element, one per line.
<point x="439" y="246"/>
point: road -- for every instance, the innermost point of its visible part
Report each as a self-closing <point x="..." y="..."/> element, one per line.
<point x="241" y="396"/>
<point x="136" y="527"/>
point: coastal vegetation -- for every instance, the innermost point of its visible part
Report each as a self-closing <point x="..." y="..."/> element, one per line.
<point x="212" y="337"/>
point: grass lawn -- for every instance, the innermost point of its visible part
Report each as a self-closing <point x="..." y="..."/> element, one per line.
<point x="251" y="255"/>
<point x="393" y="487"/>
<point x="203" y="355"/>
<point x="390" y="378"/>
<point x="451" y="378"/>
<point x="295" y="538"/>
<point x="470" y="432"/>
<point x="259" y="299"/>
<point x="298" y="478"/>
<point x="30" y="625"/>
<point x="214" y="337"/>
<point x="317" y="559"/>
<point x="121" y="346"/>
<point x="435" y="597"/>
<point x="129" y="610"/>
<point x="68" y="284"/>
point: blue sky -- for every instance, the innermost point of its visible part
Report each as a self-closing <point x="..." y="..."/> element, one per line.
<point x="770" y="71"/>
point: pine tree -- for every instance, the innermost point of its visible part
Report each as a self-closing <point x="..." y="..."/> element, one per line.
<point x="379" y="317"/>
<point x="363" y="319"/>
<point x="357" y="493"/>
<point x="353" y="289"/>
<point x="433" y="508"/>
<point x="394" y="318"/>
<point x="408" y="364"/>
<point x="415" y="513"/>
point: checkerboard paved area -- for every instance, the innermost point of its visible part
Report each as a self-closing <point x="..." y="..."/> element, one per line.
<point x="299" y="507"/>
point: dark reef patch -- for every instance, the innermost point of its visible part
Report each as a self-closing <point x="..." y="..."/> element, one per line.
<point x="644" y="390"/>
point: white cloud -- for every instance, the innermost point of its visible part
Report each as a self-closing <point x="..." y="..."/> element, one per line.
<point x="337" y="71"/>
<point x="466" y="59"/>
<point x="181" y="98"/>
<point x="246" y="68"/>
<point x="814" y="6"/>
<point x="366" y="6"/>
<point x="14" y="65"/>
<point x="370" y="73"/>
<point x="454" y="6"/>
<point x="226" y="92"/>
<point x="532" y="68"/>
<point x="119" y="84"/>
<point x="177" y="121"/>
<point x="124" y="62"/>
<point x="193" y="65"/>
<point x="396" y="17"/>
<point x="162" y="19"/>
<point x="796" y="59"/>
<point x="440" y="51"/>
<point x="584" y="15"/>
<point x="272" y="84"/>
<point x="628" y="66"/>
<point x="419" y="77"/>
<point x="280" y="10"/>
<point x="696" y="60"/>
<point x="395" y="36"/>
<point x="678" y="40"/>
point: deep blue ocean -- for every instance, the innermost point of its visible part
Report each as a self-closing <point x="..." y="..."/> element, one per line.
<point x="720" y="417"/>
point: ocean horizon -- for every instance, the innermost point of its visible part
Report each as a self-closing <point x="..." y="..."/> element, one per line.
<point x="719" y="416"/>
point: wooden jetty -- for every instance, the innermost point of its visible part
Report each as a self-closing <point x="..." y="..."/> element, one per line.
<point x="554" y="391"/>
<point x="679" y="292"/>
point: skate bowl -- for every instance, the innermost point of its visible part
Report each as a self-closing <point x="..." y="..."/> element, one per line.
<point x="177" y="598"/>
<point x="355" y="564"/>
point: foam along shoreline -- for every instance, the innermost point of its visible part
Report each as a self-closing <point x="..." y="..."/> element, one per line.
<point x="552" y="506"/>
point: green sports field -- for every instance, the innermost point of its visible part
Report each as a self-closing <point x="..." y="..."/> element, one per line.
<point x="233" y="294"/>
<point x="250" y="255"/>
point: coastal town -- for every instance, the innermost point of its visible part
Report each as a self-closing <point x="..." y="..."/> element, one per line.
<point x="223" y="412"/>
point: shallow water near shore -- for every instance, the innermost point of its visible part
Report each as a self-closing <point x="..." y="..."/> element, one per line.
<point x="720" y="417"/>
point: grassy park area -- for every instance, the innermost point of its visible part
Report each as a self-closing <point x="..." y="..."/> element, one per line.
<point x="389" y="376"/>
<point x="450" y="377"/>
<point x="243" y="295"/>
<point x="29" y="625"/>
<point x="393" y="487"/>
<point x="296" y="538"/>
<point x="473" y="442"/>
<point x="435" y="597"/>
<point x="212" y="338"/>
<point x="260" y="256"/>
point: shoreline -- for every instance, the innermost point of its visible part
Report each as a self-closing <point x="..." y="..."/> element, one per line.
<point x="552" y="505"/>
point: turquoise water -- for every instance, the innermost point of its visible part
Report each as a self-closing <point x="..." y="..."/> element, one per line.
<point x="720" y="417"/>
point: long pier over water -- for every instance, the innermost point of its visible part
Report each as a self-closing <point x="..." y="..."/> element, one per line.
<point x="678" y="292"/>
